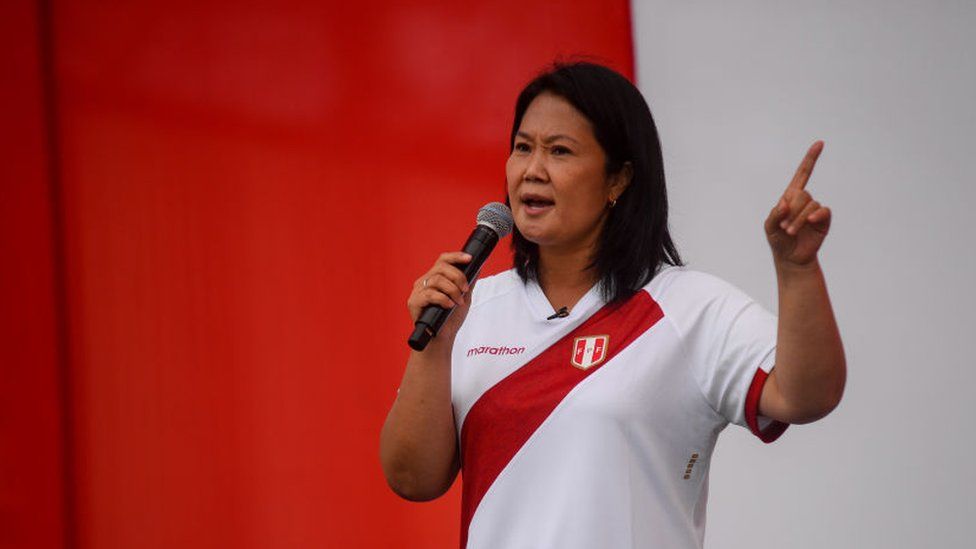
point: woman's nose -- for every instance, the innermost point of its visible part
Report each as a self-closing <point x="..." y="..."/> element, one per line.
<point x="536" y="168"/>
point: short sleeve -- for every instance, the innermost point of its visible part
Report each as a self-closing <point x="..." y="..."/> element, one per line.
<point x="730" y="343"/>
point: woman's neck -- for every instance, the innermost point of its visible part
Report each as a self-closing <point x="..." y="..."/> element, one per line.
<point x="565" y="275"/>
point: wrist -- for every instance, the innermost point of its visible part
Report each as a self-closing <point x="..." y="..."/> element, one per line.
<point x="788" y="269"/>
<point x="439" y="348"/>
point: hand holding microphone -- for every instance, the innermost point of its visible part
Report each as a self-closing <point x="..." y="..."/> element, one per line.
<point x="445" y="286"/>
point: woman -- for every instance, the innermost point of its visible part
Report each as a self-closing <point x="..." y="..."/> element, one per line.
<point x="581" y="393"/>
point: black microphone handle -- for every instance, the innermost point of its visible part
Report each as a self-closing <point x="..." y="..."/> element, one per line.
<point x="479" y="245"/>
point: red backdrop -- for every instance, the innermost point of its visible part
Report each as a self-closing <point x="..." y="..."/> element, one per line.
<point x="211" y="253"/>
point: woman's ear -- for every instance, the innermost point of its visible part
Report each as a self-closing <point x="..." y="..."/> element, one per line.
<point x="621" y="180"/>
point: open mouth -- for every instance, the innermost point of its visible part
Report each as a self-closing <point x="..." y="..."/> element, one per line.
<point x="536" y="204"/>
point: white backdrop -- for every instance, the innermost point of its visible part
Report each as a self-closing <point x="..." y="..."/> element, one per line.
<point x="739" y="90"/>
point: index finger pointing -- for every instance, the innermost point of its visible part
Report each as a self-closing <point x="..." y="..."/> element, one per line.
<point x="803" y="172"/>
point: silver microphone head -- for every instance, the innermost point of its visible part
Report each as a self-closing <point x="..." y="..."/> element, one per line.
<point x="497" y="217"/>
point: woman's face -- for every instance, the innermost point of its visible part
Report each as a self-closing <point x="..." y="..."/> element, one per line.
<point x="557" y="184"/>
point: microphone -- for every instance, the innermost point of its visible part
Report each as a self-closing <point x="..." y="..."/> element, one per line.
<point x="494" y="223"/>
<point x="563" y="312"/>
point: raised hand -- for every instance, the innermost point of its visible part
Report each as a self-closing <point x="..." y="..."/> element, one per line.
<point x="798" y="224"/>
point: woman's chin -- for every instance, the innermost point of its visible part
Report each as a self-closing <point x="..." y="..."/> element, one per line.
<point x="532" y="229"/>
<point x="539" y="238"/>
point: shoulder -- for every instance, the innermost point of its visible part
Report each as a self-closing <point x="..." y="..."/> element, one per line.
<point x="686" y="295"/>
<point x="682" y="283"/>
<point x="495" y="286"/>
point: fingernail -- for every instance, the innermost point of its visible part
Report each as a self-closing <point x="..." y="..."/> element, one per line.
<point x="784" y="224"/>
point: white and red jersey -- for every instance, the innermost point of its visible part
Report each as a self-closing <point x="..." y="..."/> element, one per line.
<point x="596" y="429"/>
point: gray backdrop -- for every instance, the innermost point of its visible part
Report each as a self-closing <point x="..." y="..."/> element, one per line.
<point x="739" y="91"/>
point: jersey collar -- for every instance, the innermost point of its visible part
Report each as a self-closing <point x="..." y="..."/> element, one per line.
<point x="541" y="309"/>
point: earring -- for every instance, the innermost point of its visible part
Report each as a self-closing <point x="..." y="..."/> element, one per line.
<point x="613" y="202"/>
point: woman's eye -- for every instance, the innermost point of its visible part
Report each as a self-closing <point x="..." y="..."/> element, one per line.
<point x="559" y="150"/>
<point x="522" y="147"/>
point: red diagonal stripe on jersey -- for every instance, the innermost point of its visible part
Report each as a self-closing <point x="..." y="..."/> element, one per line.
<point x="506" y="415"/>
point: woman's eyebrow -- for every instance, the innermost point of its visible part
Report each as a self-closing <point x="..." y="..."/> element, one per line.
<point x="549" y="139"/>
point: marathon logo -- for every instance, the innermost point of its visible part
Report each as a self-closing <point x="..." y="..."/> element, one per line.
<point x="503" y="350"/>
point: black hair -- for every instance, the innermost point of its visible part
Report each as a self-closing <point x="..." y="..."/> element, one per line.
<point x="635" y="241"/>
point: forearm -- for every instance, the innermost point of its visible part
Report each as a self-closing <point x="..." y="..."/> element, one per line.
<point x="810" y="368"/>
<point x="418" y="443"/>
